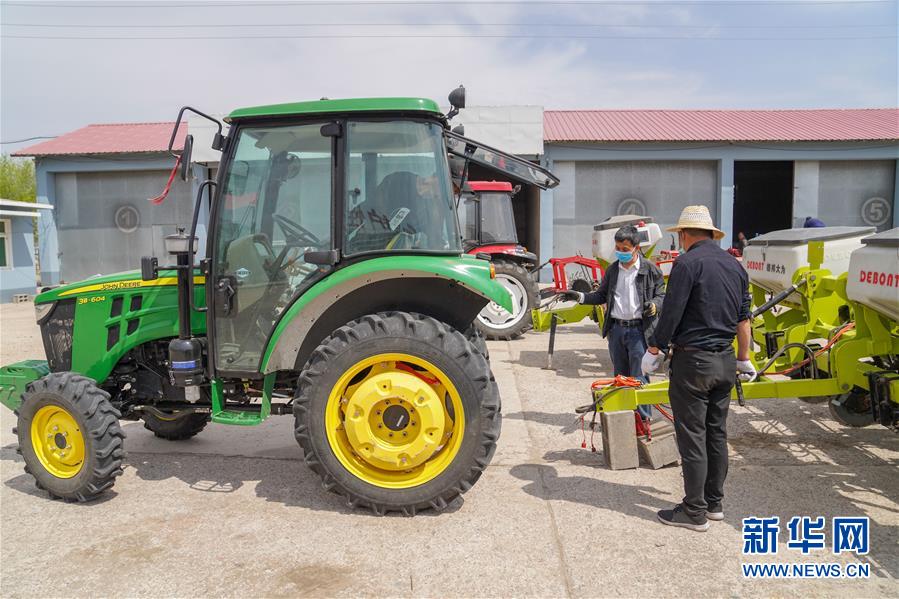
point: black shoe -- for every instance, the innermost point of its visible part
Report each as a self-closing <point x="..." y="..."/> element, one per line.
<point x="677" y="517"/>
<point x="715" y="512"/>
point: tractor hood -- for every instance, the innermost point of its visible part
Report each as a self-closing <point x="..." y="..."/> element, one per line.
<point x="105" y="283"/>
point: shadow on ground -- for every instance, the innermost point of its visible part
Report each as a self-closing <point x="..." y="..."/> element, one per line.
<point x="281" y="480"/>
<point x="836" y="468"/>
<point x="569" y="363"/>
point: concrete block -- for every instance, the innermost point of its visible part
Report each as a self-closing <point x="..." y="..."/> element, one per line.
<point x="619" y="440"/>
<point x="661" y="450"/>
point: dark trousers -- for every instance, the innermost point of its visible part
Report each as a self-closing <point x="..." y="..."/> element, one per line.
<point x="627" y="346"/>
<point x="699" y="391"/>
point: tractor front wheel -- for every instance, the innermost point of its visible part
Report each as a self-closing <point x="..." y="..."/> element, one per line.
<point x="397" y="412"/>
<point x="69" y="436"/>
<point x="493" y="320"/>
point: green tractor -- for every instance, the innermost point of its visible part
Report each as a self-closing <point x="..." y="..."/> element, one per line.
<point x="335" y="289"/>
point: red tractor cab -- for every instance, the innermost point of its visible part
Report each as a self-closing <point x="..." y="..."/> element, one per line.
<point x="488" y="227"/>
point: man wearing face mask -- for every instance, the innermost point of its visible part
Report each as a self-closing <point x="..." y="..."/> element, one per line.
<point x="707" y="303"/>
<point x="631" y="292"/>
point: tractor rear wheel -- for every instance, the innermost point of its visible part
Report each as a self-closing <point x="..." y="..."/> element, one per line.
<point x="493" y="320"/>
<point x="852" y="409"/>
<point x="69" y="436"/>
<point x="397" y="412"/>
<point x="175" y="428"/>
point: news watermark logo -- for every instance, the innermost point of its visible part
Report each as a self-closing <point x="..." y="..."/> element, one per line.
<point x="806" y="536"/>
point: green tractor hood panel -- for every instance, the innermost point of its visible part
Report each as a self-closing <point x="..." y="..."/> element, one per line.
<point x="469" y="273"/>
<point x="111" y="315"/>
<point x="122" y="281"/>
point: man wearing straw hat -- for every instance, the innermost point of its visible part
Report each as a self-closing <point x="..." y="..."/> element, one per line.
<point x="706" y="304"/>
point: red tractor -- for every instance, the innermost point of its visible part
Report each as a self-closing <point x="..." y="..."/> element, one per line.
<point x="488" y="227"/>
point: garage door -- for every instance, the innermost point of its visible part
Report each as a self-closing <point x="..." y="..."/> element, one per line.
<point x="602" y="189"/>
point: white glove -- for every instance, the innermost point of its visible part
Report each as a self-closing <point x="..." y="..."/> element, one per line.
<point x="746" y="370"/>
<point x="651" y="362"/>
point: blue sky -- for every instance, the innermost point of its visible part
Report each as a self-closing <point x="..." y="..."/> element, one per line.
<point x="50" y="86"/>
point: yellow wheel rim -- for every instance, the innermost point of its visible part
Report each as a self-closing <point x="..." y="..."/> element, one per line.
<point x="395" y="420"/>
<point x="57" y="441"/>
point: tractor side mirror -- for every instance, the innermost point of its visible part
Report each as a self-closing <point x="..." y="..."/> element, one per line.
<point x="457" y="100"/>
<point x="149" y="268"/>
<point x="185" y="157"/>
<point x="459" y="129"/>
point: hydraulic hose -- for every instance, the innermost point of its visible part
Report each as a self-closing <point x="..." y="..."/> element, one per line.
<point x="778" y="298"/>
<point x="809" y="352"/>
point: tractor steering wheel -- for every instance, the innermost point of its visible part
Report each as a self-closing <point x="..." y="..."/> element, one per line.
<point x="295" y="236"/>
<point x="295" y="232"/>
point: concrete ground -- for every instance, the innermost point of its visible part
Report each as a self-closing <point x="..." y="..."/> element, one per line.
<point x="234" y="512"/>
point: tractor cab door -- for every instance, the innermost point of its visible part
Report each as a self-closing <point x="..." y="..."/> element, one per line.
<point x="470" y="220"/>
<point x="272" y="225"/>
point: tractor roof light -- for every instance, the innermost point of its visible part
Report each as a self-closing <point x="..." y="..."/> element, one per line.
<point x="457" y="101"/>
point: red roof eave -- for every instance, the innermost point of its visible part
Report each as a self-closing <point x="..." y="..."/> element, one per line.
<point x="881" y="124"/>
<point x="117" y="138"/>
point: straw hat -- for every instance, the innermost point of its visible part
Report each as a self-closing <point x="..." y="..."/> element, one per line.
<point x="697" y="217"/>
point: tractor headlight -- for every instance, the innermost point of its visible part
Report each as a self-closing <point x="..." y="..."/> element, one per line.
<point x="42" y="310"/>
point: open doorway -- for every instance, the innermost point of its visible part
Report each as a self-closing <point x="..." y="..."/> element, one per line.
<point x="763" y="197"/>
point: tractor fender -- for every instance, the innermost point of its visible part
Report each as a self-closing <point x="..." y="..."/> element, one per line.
<point x="450" y="289"/>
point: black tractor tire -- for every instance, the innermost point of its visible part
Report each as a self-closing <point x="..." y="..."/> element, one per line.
<point x="523" y="321"/>
<point x="477" y="339"/>
<point x="97" y="424"/>
<point x="415" y="335"/>
<point x="175" y="429"/>
<point x="852" y="409"/>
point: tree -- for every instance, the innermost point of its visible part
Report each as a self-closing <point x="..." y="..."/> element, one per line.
<point x="17" y="180"/>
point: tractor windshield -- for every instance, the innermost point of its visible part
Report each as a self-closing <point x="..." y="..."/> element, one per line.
<point x="487" y="217"/>
<point x="497" y="218"/>
<point x="398" y="190"/>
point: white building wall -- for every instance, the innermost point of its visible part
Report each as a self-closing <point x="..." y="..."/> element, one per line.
<point x="512" y="129"/>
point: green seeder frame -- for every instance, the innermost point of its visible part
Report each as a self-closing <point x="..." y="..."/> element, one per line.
<point x="874" y="335"/>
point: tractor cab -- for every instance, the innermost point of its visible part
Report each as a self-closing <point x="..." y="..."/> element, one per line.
<point x="486" y="216"/>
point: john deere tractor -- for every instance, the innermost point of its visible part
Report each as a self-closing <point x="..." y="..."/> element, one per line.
<point x="334" y="289"/>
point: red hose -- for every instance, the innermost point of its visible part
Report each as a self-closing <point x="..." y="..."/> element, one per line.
<point x="826" y="347"/>
<point x="168" y="186"/>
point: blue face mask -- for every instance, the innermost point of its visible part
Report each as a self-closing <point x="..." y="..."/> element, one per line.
<point x="624" y="257"/>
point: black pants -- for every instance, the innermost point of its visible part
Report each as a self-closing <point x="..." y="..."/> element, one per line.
<point x="699" y="391"/>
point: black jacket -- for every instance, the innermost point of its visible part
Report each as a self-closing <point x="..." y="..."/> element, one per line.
<point x="708" y="295"/>
<point x="650" y="288"/>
